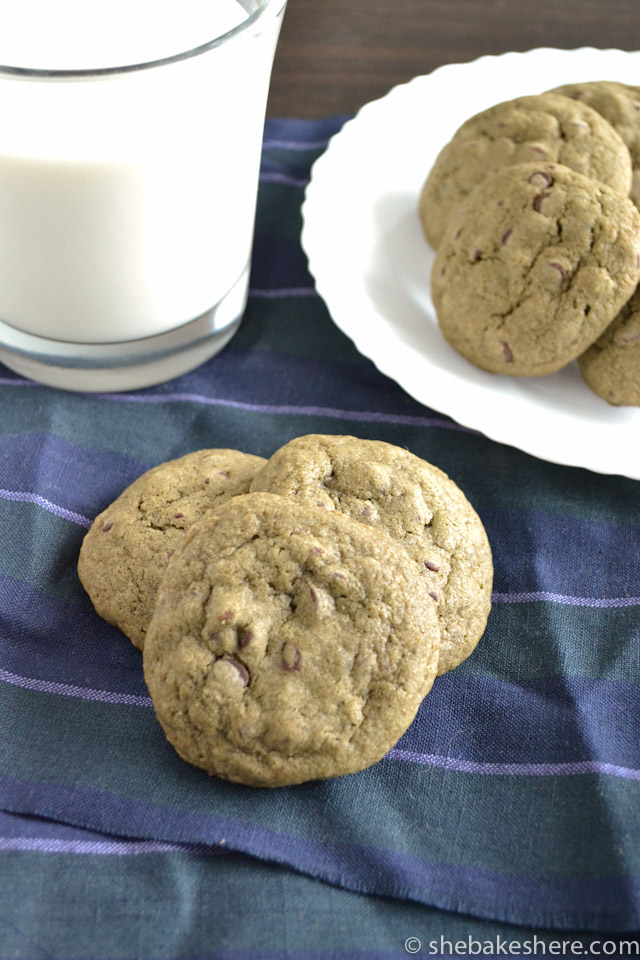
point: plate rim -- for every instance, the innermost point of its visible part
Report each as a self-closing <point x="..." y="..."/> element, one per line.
<point x="339" y="142"/>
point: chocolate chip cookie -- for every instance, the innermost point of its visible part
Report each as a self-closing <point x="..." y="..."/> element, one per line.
<point x="405" y="498"/>
<point x="619" y="104"/>
<point x="611" y="367"/>
<point x="127" y="549"/>
<point x="535" y="263"/>
<point x="543" y="128"/>
<point x="288" y="643"/>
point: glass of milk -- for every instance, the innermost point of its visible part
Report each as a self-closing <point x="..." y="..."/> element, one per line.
<point x="130" y="138"/>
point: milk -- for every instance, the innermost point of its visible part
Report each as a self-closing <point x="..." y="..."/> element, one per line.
<point x="126" y="200"/>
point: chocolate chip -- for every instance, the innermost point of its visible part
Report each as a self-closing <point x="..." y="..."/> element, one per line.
<point x="106" y="527"/>
<point x="244" y="638"/>
<point x="625" y="338"/>
<point x="226" y="616"/>
<point x="295" y="664"/>
<point x="177" y="516"/>
<point x="443" y="270"/>
<point x="207" y="480"/>
<point x="431" y="566"/>
<point x="366" y="511"/>
<point x="170" y="553"/>
<point x="245" y="676"/>
<point x="434" y="596"/>
<point x="505" y="236"/>
<point x="561" y="270"/>
<point x="541" y="179"/>
<point x="506" y="351"/>
<point x="537" y="201"/>
<point x="314" y="598"/>
<point x="477" y="256"/>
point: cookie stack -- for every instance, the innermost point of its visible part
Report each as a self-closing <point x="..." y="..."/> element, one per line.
<point x="538" y="241"/>
<point x="292" y="613"/>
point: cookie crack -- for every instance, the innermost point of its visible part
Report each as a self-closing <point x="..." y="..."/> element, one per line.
<point x="150" y="523"/>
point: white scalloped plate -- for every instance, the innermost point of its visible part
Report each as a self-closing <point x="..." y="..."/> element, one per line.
<point x="371" y="264"/>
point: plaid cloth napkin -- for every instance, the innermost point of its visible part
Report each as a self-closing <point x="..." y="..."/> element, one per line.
<point x="514" y="798"/>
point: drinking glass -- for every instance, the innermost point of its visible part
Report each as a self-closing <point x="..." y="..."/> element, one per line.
<point x="127" y="206"/>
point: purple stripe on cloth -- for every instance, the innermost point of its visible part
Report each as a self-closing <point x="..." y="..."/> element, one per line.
<point x="17" y="382"/>
<point x="284" y="178"/>
<point x="378" y="871"/>
<point x="599" y="602"/>
<point x="20" y="496"/>
<point x="365" y="416"/>
<point x="37" y="463"/>
<point x="519" y="597"/>
<point x="70" y="690"/>
<point x="300" y="145"/>
<point x="283" y="292"/>
<point x="514" y="769"/>
<point x="103" y="847"/>
<point x="64" y="641"/>
<point x="498" y="725"/>
<point x="401" y="754"/>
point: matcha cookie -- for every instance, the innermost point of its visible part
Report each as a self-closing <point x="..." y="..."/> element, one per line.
<point x="544" y="128"/>
<point x="619" y="104"/>
<point x="535" y="264"/>
<point x="126" y="551"/>
<point x="611" y="366"/>
<point x="406" y="498"/>
<point x="288" y="643"/>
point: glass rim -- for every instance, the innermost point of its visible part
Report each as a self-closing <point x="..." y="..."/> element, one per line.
<point x="273" y="7"/>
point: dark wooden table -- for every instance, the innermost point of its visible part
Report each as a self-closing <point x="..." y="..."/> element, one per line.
<point x="335" y="55"/>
